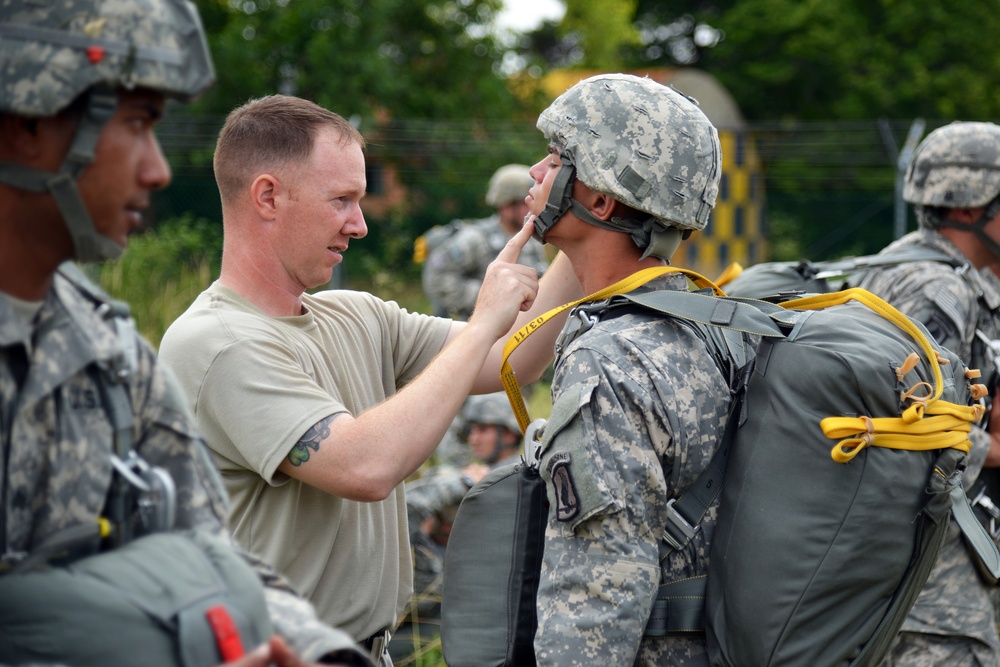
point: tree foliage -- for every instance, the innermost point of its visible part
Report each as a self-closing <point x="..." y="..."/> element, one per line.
<point x="852" y="59"/>
<point x="420" y="78"/>
<point x="424" y="80"/>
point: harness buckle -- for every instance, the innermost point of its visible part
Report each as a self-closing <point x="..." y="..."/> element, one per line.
<point x="677" y="532"/>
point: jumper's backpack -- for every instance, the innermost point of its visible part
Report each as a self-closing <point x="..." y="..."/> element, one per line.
<point x="769" y="279"/>
<point x="491" y="568"/>
<point x="152" y="595"/>
<point x="774" y="281"/>
<point x="434" y="238"/>
<point x="838" y="472"/>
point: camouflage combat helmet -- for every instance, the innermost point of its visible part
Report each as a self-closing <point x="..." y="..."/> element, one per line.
<point x="52" y="53"/>
<point x="491" y="409"/>
<point x="957" y="166"/>
<point x="510" y="183"/>
<point x="644" y="144"/>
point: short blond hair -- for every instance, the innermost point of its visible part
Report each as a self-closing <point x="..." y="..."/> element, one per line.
<point x="268" y="133"/>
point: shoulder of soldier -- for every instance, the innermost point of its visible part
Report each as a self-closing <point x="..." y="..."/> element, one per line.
<point x="73" y="276"/>
<point x="464" y="247"/>
<point x="473" y="231"/>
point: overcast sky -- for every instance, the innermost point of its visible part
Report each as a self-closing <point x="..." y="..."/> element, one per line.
<point x="524" y="15"/>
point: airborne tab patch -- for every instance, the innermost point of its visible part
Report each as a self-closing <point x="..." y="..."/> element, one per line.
<point x="567" y="503"/>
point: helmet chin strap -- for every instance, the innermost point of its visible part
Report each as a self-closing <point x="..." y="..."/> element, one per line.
<point x="978" y="228"/>
<point x="560" y="198"/>
<point x="88" y="244"/>
<point x="649" y="235"/>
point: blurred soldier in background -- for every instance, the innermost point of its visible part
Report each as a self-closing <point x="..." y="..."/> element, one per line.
<point x="101" y="459"/>
<point x="953" y="183"/>
<point x="456" y="265"/>
<point x="493" y="439"/>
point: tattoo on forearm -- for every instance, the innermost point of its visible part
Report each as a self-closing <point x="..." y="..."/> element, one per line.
<point x="310" y="440"/>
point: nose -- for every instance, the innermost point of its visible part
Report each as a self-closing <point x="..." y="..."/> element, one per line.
<point x="154" y="171"/>
<point x="536" y="172"/>
<point x="356" y="228"/>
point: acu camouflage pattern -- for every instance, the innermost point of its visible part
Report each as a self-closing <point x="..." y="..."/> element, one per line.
<point x="57" y="441"/>
<point x="508" y="184"/>
<point x="955" y="607"/>
<point x="454" y="271"/>
<point x="436" y="494"/>
<point x="44" y="63"/>
<point x="956" y="166"/>
<point x="639" y="407"/>
<point x="641" y="142"/>
<point x="491" y="409"/>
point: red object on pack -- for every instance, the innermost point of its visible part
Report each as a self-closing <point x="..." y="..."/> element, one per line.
<point x="95" y="54"/>
<point x="227" y="636"/>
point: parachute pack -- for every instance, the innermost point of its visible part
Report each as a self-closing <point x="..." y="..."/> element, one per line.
<point x="434" y="238"/>
<point x="838" y="474"/>
<point x="777" y="278"/>
<point x="155" y="596"/>
<point x="491" y="569"/>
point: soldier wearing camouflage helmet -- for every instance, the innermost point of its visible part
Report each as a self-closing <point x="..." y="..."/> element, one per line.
<point x="98" y="449"/>
<point x="454" y="269"/>
<point x="953" y="183"/>
<point x="638" y="404"/>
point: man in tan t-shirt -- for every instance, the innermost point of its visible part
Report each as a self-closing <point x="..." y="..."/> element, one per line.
<point x="317" y="407"/>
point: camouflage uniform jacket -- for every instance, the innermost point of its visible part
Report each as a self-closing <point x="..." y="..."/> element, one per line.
<point x="454" y="271"/>
<point x="639" y="407"/>
<point x="57" y="441"/>
<point x="952" y="303"/>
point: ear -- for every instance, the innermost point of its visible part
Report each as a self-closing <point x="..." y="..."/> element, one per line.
<point x="966" y="216"/>
<point x="21" y="136"/>
<point x="264" y="193"/>
<point x="603" y="206"/>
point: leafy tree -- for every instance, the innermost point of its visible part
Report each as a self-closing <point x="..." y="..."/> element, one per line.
<point x="420" y="78"/>
<point x="602" y="28"/>
<point x="819" y="60"/>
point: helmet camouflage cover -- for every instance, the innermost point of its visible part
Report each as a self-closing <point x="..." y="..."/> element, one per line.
<point x="956" y="166"/>
<point x="643" y="143"/>
<point x="491" y="409"/>
<point x="51" y="52"/>
<point x="510" y="183"/>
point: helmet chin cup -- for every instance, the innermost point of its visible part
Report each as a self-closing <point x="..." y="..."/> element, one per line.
<point x="560" y="200"/>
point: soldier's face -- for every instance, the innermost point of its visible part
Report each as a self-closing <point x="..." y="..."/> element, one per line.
<point x="544" y="172"/>
<point x="128" y="166"/>
<point x="318" y="207"/>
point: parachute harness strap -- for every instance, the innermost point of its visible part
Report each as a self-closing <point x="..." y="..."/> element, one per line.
<point x="623" y="286"/>
<point x="927" y="423"/>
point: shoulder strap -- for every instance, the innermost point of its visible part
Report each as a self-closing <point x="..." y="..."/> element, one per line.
<point x="132" y="473"/>
<point x="732" y="318"/>
<point x="625" y="285"/>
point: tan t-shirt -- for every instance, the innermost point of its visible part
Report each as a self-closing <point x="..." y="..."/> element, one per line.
<point x="257" y="384"/>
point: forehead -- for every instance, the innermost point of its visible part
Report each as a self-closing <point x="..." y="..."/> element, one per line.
<point x="334" y="157"/>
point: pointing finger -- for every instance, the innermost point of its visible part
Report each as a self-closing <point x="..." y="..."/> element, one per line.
<point x="510" y="252"/>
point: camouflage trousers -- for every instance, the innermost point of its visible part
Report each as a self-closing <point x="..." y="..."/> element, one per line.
<point x="913" y="649"/>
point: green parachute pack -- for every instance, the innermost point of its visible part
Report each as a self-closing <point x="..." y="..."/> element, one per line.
<point x="128" y="588"/>
<point x="434" y="238"/>
<point x="836" y="479"/>
<point x="769" y="279"/>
